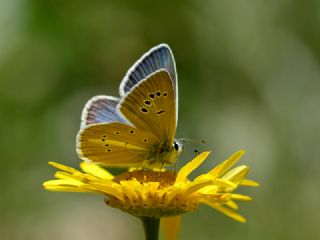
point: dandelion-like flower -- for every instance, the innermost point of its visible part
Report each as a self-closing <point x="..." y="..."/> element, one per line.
<point x="160" y="194"/>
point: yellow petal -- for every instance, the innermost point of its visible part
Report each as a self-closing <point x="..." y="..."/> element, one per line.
<point x="240" y="197"/>
<point x="209" y="190"/>
<point x="63" y="185"/>
<point x="63" y="167"/>
<point x="108" y="190"/>
<point x="250" y="183"/>
<point x="227" y="211"/>
<point x="232" y="205"/>
<point x="237" y="174"/>
<point x="171" y="227"/>
<point x="195" y="186"/>
<point x="96" y="170"/>
<point x="189" y="167"/>
<point x="224" y="183"/>
<point x="227" y="164"/>
<point x="231" y="213"/>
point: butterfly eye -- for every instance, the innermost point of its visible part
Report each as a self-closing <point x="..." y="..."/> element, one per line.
<point x="176" y="146"/>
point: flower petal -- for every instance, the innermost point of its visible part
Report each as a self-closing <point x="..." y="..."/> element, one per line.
<point x="222" y="168"/>
<point x="240" y="197"/>
<point x="188" y="168"/>
<point x="64" y="185"/>
<point x="63" y="167"/>
<point x="249" y="183"/>
<point x="171" y="227"/>
<point x="236" y="175"/>
<point x="226" y="211"/>
<point x="96" y="170"/>
<point x="232" y="205"/>
<point x="195" y="186"/>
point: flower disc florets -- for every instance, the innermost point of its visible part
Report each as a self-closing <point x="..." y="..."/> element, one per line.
<point x="150" y="194"/>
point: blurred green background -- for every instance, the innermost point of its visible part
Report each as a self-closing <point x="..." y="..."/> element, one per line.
<point x="249" y="78"/>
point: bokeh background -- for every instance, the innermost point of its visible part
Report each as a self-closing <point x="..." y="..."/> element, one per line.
<point x="249" y="78"/>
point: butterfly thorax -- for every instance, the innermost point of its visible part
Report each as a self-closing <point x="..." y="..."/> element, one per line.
<point x="164" y="154"/>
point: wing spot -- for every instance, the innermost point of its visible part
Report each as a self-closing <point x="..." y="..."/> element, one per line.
<point x="158" y="94"/>
<point x="147" y="102"/>
<point x="104" y="136"/>
<point x="109" y="150"/>
<point x="160" y="112"/>
<point x="102" y="139"/>
<point x="145" y="140"/>
<point x="106" y="145"/>
<point x="131" y="131"/>
<point x="117" y="133"/>
<point x="165" y="94"/>
<point x="144" y="110"/>
<point x="151" y="95"/>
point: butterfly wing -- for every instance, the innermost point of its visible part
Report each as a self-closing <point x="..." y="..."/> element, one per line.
<point x="158" y="57"/>
<point x="101" y="109"/>
<point x="115" y="144"/>
<point x="150" y="106"/>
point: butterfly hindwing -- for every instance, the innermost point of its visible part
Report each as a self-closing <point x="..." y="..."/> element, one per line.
<point x="115" y="144"/>
<point x="101" y="109"/>
<point x="150" y="106"/>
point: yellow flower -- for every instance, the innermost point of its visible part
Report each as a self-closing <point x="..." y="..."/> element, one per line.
<point x="151" y="194"/>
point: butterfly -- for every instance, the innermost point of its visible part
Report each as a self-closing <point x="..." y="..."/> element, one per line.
<point x="138" y="129"/>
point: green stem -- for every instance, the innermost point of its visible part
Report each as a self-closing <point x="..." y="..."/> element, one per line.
<point x="151" y="227"/>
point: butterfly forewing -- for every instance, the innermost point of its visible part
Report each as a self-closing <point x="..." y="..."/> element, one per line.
<point x="159" y="57"/>
<point x="150" y="106"/>
<point x="115" y="144"/>
<point x="101" y="109"/>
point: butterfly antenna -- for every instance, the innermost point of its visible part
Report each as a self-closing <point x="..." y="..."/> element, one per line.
<point x="193" y="141"/>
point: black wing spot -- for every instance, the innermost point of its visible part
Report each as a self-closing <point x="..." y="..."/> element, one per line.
<point x="144" y="110"/>
<point x="147" y="102"/>
<point x="102" y="139"/>
<point x="145" y="140"/>
<point x="160" y="112"/>
<point x="131" y="131"/>
<point x="117" y="133"/>
<point x="106" y="145"/>
<point x="158" y="94"/>
<point x="109" y="150"/>
<point x="165" y="94"/>
<point x="151" y="95"/>
<point x="104" y="136"/>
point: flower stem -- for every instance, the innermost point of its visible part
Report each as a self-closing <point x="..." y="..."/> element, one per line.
<point x="151" y="227"/>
